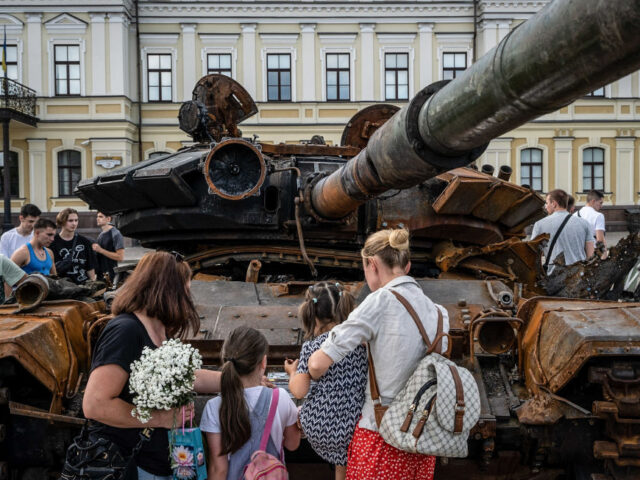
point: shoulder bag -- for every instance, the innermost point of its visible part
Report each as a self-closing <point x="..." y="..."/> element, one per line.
<point x="437" y="407"/>
<point x="554" y="240"/>
<point x="90" y="458"/>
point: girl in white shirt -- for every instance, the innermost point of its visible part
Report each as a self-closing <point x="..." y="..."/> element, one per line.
<point x="235" y="420"/>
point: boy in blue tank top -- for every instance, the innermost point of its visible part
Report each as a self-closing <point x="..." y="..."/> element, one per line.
<point x="35" y="257"/>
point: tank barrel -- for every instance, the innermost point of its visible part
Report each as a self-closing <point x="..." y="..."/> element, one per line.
<point x="565" y="51"/>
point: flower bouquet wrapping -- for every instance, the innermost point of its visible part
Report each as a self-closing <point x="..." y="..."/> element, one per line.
<point x="163" y="379"/>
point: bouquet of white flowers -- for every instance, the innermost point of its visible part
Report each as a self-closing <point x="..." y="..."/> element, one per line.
<point x="163" y="378"/>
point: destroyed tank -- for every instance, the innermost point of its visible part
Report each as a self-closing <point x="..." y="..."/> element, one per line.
<point x="559" y="378"/>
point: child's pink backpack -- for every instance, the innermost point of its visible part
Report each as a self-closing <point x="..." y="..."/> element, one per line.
<point x="263" y="465"/>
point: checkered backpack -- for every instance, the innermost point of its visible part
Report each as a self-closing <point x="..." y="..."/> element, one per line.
<point x="438" y="405"/>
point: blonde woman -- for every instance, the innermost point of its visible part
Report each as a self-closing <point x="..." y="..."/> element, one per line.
<point x="396" y="347"/>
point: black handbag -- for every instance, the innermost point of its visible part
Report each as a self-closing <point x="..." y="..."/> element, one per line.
<point x="64" y="265"/>
<point x="93" y="458"/>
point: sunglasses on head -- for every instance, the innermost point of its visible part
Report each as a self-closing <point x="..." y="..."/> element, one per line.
<point x="177" y="255"/>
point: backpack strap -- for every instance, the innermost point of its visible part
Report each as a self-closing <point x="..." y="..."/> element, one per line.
<point x="437" y="343"/>
<point x="554" y="240"/>
<point x="272" y="414"/>
<point x="459" y="410"/>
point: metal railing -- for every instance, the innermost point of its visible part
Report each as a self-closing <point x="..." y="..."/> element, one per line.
<point x="18" y="97"/>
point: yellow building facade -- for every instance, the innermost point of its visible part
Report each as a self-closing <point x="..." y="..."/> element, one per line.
<point x="110" y="79"/>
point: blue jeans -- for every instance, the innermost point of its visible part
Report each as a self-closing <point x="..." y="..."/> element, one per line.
<point x="144" y="475"/>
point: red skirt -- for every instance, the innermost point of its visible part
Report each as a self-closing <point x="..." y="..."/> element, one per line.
<point x="371" y="458"/>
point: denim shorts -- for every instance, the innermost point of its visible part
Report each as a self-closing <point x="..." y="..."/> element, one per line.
<point x="144" y="475"/>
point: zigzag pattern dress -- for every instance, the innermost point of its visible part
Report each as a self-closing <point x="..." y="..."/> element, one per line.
<point x="334" y="403"/>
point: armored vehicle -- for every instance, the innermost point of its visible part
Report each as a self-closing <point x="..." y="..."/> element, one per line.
<point x="559" y="378"/>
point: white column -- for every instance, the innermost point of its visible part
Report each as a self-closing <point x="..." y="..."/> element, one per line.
<point x="98" y="55"/>
<point x="249" y="74"/>
<point x="564" y="163"/>
<point x="426" y="54"/>
<point x="118" y="53"/>
<point x="308" y="61"/>
<point x="489" y="36"/>
<point x="188" y="59"/>
<point x="625" y="86"/>
<point x="34" y="53"/>
<point x="626" y="169"/>
<point x="366" y="65"/>
<point x="503" y="30"/>
<point x="38" y="168"/>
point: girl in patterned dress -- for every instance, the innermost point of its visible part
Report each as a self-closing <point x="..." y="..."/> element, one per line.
<point x="331" y="411"/>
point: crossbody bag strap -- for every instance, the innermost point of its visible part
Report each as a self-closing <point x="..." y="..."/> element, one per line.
<point x="145" y="436"/>
<point x="554" y="240"/>
<point x="275" y="394"/>
<point x="437" y="341"/>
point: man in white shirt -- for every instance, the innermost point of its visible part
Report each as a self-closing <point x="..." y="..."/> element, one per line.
<point x="591" y="213"/>
<point x="23" y="233"/>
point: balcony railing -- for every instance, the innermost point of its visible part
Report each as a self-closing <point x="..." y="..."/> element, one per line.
<point x="17" y="97"/>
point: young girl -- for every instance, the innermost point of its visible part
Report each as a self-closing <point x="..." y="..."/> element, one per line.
<point x="331" y="411"/>
<point x="235" y="420"/>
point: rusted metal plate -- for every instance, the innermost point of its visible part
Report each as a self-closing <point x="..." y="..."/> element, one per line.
<point x="29" y="411"/>
<point x="282" y="149"/>
<point x="498" y="200"/>
<point x="461" y="195"/>
<point x="227" y="102"/>
<point x="362" y="125"/>
<point x="529" y="206"/>
<point x="49" y="343"/>
<point x="562" y="334"/>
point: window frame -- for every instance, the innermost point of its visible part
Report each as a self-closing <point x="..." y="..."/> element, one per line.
<point x="61" y="181"/>
<point x="159" y="70"/>
<point x="16" y="63"/>
<point x="66" y="63"/>
<point x="219" y="54"/>
<point x="396" y="70"/>
<point x="15" y="176"/>
<point x="529" y="166"/>
<point x="591" y="164"/>
<point x="279" y="71"/>
<point x="337" y="70"/>
<point x="456" y="71"/>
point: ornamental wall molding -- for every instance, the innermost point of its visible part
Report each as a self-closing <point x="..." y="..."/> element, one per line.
<point x="66" y="24"/>
<point x="12" y="24"/>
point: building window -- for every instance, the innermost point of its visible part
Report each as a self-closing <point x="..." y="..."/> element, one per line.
<point x="219" y="63"/>
<point x="531" y="168"/>
<point x="338" y="76"/>
<point x="158" y="154"/>
<point x="69" y="172"/>
<point x="66" y="61"/>
<point x="279" y="77"/>
<point x="12" y="62"/>
<point x="453" y="64"/>
<point x="396" y="73"/>
<point x="596" y="93"/>
<point x="159" y="77"/>
<point x="593" y="169"/>
<point x="14" y="173"/>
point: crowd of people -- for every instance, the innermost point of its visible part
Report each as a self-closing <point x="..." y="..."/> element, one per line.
<point x="574" y="234"/>
<point x="338" y="415"/>
<point x="38" y="245"/>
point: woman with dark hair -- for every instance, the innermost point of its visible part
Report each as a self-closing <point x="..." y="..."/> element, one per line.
<point x="235" y="420"/>
<point x="152" y="306"/>
<point x="396" y="347"/>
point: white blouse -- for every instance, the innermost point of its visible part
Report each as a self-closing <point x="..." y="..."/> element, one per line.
<point x="394" y="339"/>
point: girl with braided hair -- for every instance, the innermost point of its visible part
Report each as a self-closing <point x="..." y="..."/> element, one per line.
<point x="329" y="415"/>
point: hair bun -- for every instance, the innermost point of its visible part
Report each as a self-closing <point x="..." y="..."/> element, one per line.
<point x="399" y="239"/>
